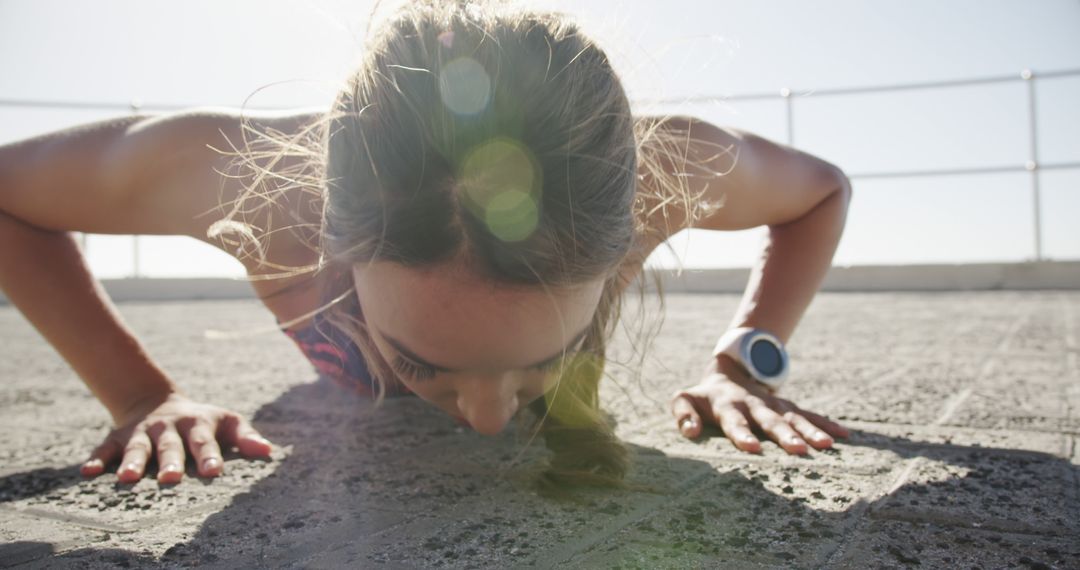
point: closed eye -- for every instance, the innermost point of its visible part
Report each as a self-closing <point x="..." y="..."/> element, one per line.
<point x="408" y="363"/>
<point x="421" y="372"/>
<point x="413" y="370"/>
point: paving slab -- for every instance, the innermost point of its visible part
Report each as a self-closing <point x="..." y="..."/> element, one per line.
<point x="743" y="517"/>
<point x="1014" y="492"/>
<point x="893" y="544"/>
<point x="962" y="407"/>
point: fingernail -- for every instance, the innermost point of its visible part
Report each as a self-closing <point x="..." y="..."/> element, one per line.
<point x="133" y="467"/>
<point x="210" y="464"/>
<point x="688" y="424"/>
<point x="90" y="469"/>
<point x="171" y="468"/>
<point x="92" y="464"/>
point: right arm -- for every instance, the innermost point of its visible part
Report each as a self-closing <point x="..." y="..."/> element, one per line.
<point x="134" y="175"/>
<point x="43" y="273"/>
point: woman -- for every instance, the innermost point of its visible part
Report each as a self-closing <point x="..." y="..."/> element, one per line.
<point x="460" y="225"/>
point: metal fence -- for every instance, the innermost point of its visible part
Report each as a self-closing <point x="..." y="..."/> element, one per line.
<point x="1032" y="165"/>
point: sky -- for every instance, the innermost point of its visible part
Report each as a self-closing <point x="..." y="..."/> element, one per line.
<point x="293" y="53"/>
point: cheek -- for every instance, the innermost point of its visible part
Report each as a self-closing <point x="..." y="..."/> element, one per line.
<point x="432" y="390"/>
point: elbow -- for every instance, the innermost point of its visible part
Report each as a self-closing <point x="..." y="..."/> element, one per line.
<point x="846" y="191"/>
<point x="839" y="182"/>
<point x="846" y="185"/>
<point x="839" y="193"/>
<point x="843" y="184"/>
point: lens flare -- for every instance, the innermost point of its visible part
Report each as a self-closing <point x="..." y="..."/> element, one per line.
<point x="502" y="186"/>
<point x="511" y="215"/>
<point x="464" y="86"/>
<point x="573" y="402"/>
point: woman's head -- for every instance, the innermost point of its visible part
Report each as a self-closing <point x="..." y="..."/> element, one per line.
<point x="499" y="144"/>
<point x="480" y="175"/>
<point x="480" y="194"/>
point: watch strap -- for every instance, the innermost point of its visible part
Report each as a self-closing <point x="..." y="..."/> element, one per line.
<point x="733" y="343"/>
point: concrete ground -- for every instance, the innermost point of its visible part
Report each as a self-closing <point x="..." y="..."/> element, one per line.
<point x="963" y="408"/>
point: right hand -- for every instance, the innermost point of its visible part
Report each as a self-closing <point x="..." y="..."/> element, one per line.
<point x="729" y="398"/>
<point x="165" y="428"/>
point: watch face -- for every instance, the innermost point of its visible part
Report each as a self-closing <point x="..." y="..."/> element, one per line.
<point x="765" y="356"/>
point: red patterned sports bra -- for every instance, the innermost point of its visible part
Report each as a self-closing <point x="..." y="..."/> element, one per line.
<point x="335" y="356"/>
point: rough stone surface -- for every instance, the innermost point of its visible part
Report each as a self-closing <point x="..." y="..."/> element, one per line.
<point x="963" y="409"/>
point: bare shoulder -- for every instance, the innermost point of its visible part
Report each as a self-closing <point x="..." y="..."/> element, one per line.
<point x="173" y="173"/>
<point x="695" y="174"/>
<point x="236" y="180"/>
<point x="154" y="173"/>
<point x="268" y="191"/>
<point x="238" y="158"/>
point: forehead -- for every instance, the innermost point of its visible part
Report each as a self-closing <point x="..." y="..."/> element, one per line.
<point x="452" y="316"/>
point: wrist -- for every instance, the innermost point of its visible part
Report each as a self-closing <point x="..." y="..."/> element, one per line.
<point x="726" y="365"/>
<point x="143" y="402"/>
<point x="755" y="355"/>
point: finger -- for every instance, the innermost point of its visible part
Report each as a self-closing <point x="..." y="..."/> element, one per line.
<point x="203" y="446"/>
<point x="236" y="431"/>
<point x="733" y="421"/>
<point x="809" y="431"/>
<point x="686" y="416"/>
<point x="136" y="454"/>
<point x="832" y="428"/>
<point x="777" y="428"/>
<point x="102" y="455"/>
<point x="170" y="452"/>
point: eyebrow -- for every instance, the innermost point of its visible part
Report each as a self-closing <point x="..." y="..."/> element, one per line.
<point x="406" y="352"/>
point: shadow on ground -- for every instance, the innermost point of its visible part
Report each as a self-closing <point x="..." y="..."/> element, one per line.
<point x="406" y="487"/>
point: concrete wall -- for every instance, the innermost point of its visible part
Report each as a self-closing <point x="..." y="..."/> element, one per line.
<point x="173" y="289"/>
<point x="974" y="277"/>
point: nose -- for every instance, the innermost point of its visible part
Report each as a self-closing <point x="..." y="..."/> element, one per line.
<point x="488" y="403"/>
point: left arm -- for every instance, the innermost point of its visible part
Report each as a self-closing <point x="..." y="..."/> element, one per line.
<point x="803" y="200"/>
<point x="793" y="264"/>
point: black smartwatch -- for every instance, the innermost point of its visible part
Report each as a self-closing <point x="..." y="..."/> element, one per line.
<point x="759" y="352"/>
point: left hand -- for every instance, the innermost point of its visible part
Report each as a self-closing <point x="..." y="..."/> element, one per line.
<point x="730" y="399"/>
<point x="162" y="428"/>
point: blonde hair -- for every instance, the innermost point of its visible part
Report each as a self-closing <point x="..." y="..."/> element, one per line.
<point x="471" y="102"/>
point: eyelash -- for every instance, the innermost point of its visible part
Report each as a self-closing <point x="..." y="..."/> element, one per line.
<point x="413" y="370"/>
<point x="421" y="372"/>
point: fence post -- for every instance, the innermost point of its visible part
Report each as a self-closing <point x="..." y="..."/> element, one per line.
<point x="790" y="111"/>
<point x="1032" y="164"/>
